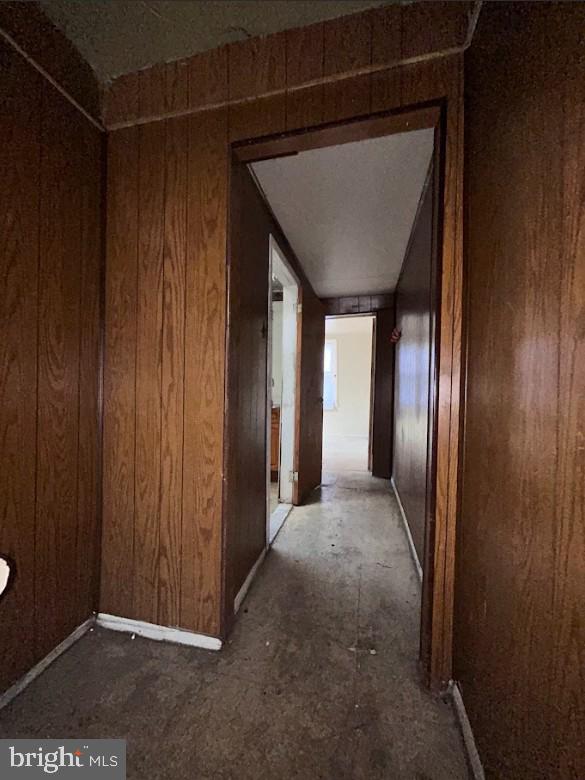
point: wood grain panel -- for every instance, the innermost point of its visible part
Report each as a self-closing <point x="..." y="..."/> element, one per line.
<point x="19" y="250"/>
<point x="568" y="738"/>
<point x="320" y="67"/>
<point x="122" y="100"/>
<point x="386" y="23"/>
<point x="256" y="118"/>
<point x="177" y="86"/>
<point x="257" y="66"/>
<point x="412" y="375"/>
<point x="152" y="84"/>
<point x="383" y="396"/>
<point x="58" y="373"/>
<point x="89" y="453"/>
<point x="173" y="363"/>
<point x="348" y="47"/>
<point x="433" y="27"/>
<point x="208" y="77"/>
<point x="310" y="419"/>
<point x="149" y="320"/>
<point x="36" y="34"/>
<point x="205" y="290"/>
<point x="519" y="639"/>
<point x="120" y="374"/>
<point x="245" y="507"/>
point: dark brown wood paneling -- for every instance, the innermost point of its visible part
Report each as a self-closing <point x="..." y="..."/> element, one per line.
<point x="205" y="306"/>
<point x="117" y="566"/>
<point x="19" y="252"/>
<point x="327" y="70"/>
<point x="208" y="78"/>
<point x="56" y="543"/>
<point x="245" y="508"/>
<point x="173" y="371"/>
<point x="28" y="26"/>
<point x="310" y="394"/>
<point x="89" y="204"/>
<point x="519" y="634"/>
<point x="347" y="47"/>
<point x="49" y="428"/>
<point x="412" y="373"/>
<point x="358" y="304"/>
<point x="304" y="63"/>
<point x="257" y="66"/>
<point x="149" y="320"/>
<point x="383" y="395"/>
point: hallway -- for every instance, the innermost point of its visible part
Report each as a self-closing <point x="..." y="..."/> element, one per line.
<point x="318" y="680"/>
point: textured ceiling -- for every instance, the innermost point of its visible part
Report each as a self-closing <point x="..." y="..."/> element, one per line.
<point x="348" y="210"/>
<point x="121" y="36"/>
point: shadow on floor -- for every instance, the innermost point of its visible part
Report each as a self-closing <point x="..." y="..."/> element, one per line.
<point x="318" y="680"/>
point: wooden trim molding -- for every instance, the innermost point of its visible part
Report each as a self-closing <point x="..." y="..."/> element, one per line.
<point x="357" y="304"/>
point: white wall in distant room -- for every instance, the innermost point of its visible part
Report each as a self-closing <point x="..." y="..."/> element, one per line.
<point x="276" y="352"/>
<point x="354" y="362"/>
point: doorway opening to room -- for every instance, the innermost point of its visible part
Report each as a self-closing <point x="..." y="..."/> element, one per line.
<point x="362" y="240"/>
<point x="283" y="304"/>
<point x="347" y="393"/>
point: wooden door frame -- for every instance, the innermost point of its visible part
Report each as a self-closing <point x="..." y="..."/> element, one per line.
<point x="438" y="582"/>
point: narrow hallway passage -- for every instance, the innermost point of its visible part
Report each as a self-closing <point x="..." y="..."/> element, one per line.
<point x="318" y="680"/>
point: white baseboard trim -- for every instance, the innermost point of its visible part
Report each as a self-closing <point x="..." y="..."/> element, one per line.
<point x="407" y="530"/>
<point x="39" y="668"/>
<point x="277" y="519"/>
<point x="178" y="636"/>
<point x="248" y="581"/>
<point x="466" y="731"/>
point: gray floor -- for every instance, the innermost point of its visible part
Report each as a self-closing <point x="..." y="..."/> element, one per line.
<point x="319" y="678"/>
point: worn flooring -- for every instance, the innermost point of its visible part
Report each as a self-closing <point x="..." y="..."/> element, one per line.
<point x="318" y="680"/>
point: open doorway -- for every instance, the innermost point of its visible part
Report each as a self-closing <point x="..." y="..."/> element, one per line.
<point x="283" y="298"/>
<point x="347" y="375"/>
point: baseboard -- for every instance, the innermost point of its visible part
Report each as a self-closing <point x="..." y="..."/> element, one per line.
<point x="413" y="552"/>
<point x="39" y="668"/>
<point x="178" y="636"/>
<point x="466" y="731"/>
<point x="248" y="581"/>
<point x="277" y="519"/>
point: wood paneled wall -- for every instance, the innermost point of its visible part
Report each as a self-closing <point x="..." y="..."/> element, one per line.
<point x="383" y="394"/>
<point x="50" y="267"/>
<point x="415" y="318"/>
<point x="520" y="586"/>
<point x="164" y="372"/>
<point x="251" y="224"/>
<point x="202" y="83"/>
<point x="312" y="75"/>
<point x="310" y="396"/>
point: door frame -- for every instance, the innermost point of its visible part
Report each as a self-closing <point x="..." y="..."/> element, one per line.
<point x="438" y="580"/>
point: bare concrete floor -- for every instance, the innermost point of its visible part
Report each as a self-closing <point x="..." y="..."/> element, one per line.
<point x="319" y="678"/>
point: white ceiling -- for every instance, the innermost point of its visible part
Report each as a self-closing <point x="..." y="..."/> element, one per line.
<point x="348" y="210"/>
<point x="120" y="36"/>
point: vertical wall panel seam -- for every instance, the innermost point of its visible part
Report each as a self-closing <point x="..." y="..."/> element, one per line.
<point x="41" y="91"/>
<point x="163" y="258"/>
<point x="184" y="358"/>
<point x="136" y="303"/>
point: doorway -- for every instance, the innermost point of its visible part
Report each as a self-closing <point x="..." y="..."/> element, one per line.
<point x="283" y="300"/>
<point x="347" y="375"/>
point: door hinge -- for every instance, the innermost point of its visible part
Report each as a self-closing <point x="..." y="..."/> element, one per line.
<point x="299" y="308"/>
<point x="293" y="476"/>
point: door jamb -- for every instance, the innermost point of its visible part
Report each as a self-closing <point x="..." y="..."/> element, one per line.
<point x="438" y="619"/>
